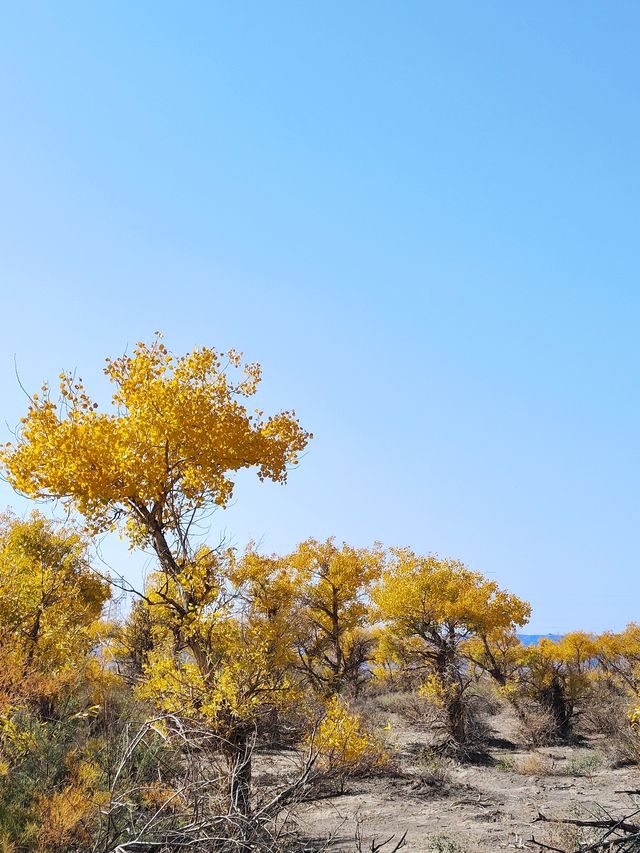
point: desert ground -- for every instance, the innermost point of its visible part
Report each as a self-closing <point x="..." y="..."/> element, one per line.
<point x="492" y="804"/>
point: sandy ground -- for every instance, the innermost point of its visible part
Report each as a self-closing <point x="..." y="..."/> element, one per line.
<point x="478" y="808"/>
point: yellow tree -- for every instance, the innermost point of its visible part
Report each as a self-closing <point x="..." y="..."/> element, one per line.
<point x="497" y="653"/>
<point x="559" y="675"/>
<point x="153" y="464"/>
<point x="49" y="596"/>
<point x="333" y="582"/>
<point x="226" y="664"/>
<point x="333" y="641"/>
<point x="619" y="657"/>
<point x="430" y="610"/>
<point x="50" y="603"/>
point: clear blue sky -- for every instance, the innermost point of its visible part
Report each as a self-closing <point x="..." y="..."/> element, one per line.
<point x="422" y="218"/>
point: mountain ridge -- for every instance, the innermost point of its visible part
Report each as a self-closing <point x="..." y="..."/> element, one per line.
<point x="532" y="639"/>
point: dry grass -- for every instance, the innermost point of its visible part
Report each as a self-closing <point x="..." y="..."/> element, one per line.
<point x="563" y="836"/>
<point x="410" y="707"/>
<point x="435" y="770"/>
<point x="535" y="765"/>
<point x="537" y="726"/>
<point x="538" y="764"/>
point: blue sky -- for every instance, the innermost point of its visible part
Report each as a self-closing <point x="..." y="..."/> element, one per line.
<point x="422" y="218"/>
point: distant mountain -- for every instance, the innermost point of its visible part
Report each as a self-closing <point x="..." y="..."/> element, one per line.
<point x="532" y="639"/>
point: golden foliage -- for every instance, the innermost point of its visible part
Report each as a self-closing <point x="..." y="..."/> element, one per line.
<point x="329" y="585"/>
<point x="62" y="817"/>
<point x="344" y="746"/>
<point x="442" y="622"/>
<point x="224" y="654"/>
<point x="569" y="662"/>
<point x="50" y="600"/>
<point x="619" y="657"/>
<point x="424" y="594"/>
<point x="177" y="430"/>
<point x="433" y="611"/>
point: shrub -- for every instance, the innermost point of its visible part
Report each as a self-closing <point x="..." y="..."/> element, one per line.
<point x="344" y="746"/>
<point x="435" y="770"/>
<point x="605" y="711"/>
<point x="537" y="725"/>
<point x="443" y="844"/>
<point x="584" y="765"/>
<point x="414" y="709"/>
<point x="610" y="715"/>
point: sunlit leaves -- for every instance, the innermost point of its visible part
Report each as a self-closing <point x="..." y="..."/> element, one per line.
<point x="344" y="745"/>
<point x="333" y="637"/>
<point x="49" y="596"/>
<point x="178" y="429"/>
<point x="442" y="623"/>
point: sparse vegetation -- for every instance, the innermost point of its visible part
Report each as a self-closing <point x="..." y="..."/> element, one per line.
<point x="443" y="844"/>
<point x="584" y="765"/>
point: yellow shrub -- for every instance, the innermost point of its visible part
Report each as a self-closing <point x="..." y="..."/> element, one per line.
<point x="160" y="795"/>
<point x="345" y="748"/>
<point x="62" y="817"/>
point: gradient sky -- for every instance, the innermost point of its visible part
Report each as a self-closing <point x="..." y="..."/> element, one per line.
<point x="421" y="218"/>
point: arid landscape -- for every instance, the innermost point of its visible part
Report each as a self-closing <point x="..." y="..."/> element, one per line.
<point x="446" y="806"/>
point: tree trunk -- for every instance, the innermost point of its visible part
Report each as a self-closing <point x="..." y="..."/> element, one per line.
<point x="553" y="699"/>
<point x="455" y="714"/>
<point x="446" y="669"/>
<point x="237" y="752"/>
